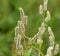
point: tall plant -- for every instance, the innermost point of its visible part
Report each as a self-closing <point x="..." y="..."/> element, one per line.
<point x="31" y="46"/>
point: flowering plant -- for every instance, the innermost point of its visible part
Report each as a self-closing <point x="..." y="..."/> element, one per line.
<point x="26" y="46"/>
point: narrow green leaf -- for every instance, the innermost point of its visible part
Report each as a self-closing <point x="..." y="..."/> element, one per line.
<point x="28" y="53"/>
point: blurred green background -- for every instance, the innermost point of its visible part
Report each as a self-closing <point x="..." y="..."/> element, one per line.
<point x="9" y="15"/>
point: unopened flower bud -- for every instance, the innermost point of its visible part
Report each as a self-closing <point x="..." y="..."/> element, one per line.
<point x="21" y="12"/>
<point x="16" y="31"/>
<point x="39" y="41"/>
<point x="42" y="30"/>
<point x="40" y="9"/>
<point x="21" y="26"/>
<point x="56" y="49"/>
<point x="46" y="1"/>
<point x="50" y="32"/>
<point x="25" y="19"/>
<point x="43" y="24"/>
<point x="45" y="6"/>
<point x="20" y="50"/>
<point x="49" y="51"/>
<point x="18" y="41"/>
<point x="48" y="15"/>
<point x="51" y="40"/>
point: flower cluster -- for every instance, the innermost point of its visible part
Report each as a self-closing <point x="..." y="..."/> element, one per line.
<point x="52" y="50"/>
<point x="42" y="28"/>
<point x="19" y="32"/>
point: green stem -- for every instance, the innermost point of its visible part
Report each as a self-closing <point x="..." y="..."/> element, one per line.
<point x="37" y="50"/>
<point x="24" y="44"/>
